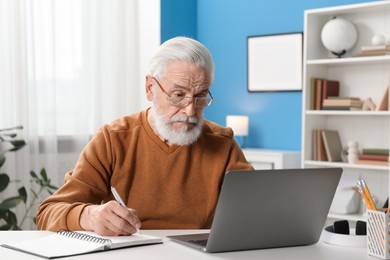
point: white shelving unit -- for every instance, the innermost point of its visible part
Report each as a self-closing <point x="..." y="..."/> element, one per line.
<point x="363" y="77"/>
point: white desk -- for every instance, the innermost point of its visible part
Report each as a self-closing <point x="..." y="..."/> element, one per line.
<point x="173" y="251"/>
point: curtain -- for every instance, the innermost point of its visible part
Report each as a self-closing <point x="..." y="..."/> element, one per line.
<point x="66" y="68"/>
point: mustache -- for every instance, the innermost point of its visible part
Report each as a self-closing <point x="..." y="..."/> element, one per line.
<point x="184" y="119"/>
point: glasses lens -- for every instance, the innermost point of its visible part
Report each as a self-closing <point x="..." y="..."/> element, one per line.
<point x="178" y="101"/>
<point x="202" y="101"/>
<point x="183" y="101"/>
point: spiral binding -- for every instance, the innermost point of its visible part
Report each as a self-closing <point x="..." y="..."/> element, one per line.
<point x="85" y="237"/>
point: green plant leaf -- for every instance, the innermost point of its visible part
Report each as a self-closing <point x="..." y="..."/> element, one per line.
<point x="3" y="214"/>
<point x="35" y="177"/>
<point x="10" y="218"/>
<point x="43" y="174"/>
<point x="33" y="174"/>
<point x="52" y="187"/>
<point x="23" y="193"/>
<point x="11" y="202"/>
<point x="4" y="181"/>
<point x="18" y="144"/>
<point x="13" y="220"/>
<point x="5" y="227"/>
<point x="2" y="159"/>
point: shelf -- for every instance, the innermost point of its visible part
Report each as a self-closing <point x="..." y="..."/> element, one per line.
<point x="346" y="113"/>
<point x="350" y="60"/>
<point x="359" y="76"/>
<point x="347" y="165"/>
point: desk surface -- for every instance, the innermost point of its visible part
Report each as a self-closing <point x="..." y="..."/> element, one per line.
<point x="173" y="251"/>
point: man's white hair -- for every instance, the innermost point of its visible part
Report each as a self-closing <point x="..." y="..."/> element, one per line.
<point x="181" y="49"/>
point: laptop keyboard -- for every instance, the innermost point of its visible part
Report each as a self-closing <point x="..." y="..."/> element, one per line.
<point x="202" y="242"/>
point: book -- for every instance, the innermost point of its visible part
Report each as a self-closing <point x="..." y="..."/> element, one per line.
<point x="375" y="47"/>
<point x="376" y="157"/>
<point x="344" y="98"/>
<point x="325" y="88"/>
<point x="318" y="97"/>
<point x="313" y="93"/>
<point x="70" y="243"/>
<point x="380" y="151"/>
<point x="343" y="102"/>
<point x="321" y="153"/>
<point x="372" y="52"/>
<point x="372" y="162"/>
<point x="341" y="108"/>
<point x="330" y="88"/>
<point x="332" y="143"/>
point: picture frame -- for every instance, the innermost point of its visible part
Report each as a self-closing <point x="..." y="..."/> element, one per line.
<point x="275" y="62"/>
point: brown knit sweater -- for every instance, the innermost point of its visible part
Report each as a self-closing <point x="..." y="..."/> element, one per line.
<point x="171" y="187"/>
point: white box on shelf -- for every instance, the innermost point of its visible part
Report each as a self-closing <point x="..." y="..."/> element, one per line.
<point x="272" y="159"/>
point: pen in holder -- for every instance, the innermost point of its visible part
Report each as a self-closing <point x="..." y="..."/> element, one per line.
<point x="378" y="237"/>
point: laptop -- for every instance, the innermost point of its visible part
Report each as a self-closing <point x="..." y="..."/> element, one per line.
<point x="260" y="209"/>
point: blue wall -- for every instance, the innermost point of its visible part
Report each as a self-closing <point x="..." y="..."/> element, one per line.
<point x="178" y="17"/>
<point x="275" y="118"/>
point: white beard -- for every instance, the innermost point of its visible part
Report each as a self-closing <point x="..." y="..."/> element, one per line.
<point x="181" y="136"/>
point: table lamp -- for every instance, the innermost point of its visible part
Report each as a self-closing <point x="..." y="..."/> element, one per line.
<point x="239" y="125"/>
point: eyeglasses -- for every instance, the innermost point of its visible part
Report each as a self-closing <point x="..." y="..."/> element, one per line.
<point x="178" y="99"/>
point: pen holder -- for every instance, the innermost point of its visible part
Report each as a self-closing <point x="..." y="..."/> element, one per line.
<point x="378" y="237"/>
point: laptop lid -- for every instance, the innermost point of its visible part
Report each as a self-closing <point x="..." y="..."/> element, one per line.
<point x="271" y="208"/>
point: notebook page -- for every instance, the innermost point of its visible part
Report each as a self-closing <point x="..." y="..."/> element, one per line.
<point x="55" y="246"/>
<point x="123" y="241"/>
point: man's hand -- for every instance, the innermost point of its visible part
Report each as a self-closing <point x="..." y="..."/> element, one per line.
<point x="110" y="219"/>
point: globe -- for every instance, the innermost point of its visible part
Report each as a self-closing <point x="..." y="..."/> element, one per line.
<point x="339" y="36"/>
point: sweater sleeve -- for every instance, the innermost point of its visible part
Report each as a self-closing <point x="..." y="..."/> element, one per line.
<point x="87" y="184"/>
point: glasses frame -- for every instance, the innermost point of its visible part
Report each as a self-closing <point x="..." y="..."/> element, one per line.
<point x="194" y="99"/>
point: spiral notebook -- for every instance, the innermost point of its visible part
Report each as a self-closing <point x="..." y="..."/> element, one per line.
<point x="69" y="243"/>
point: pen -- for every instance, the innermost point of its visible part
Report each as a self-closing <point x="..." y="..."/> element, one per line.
<point x="119" y="199"/>
<point x="360" y="189"/>
<point x="363" y="190"/>
<point x="368" y="194"/>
